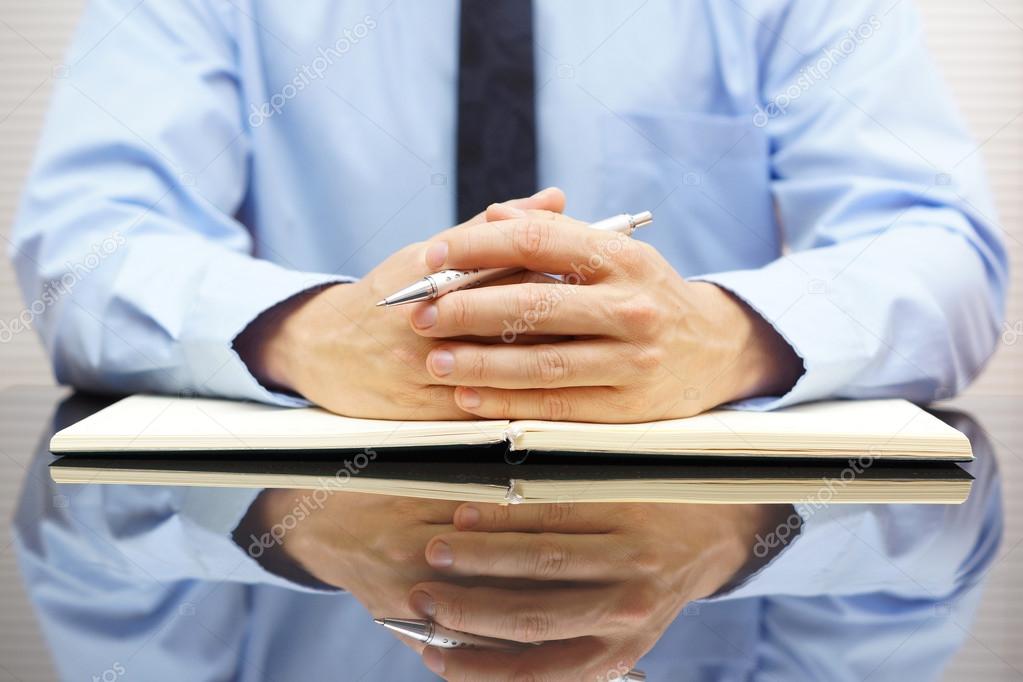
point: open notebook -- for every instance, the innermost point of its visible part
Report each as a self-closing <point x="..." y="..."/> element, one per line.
<point x="851" y="452"/>
<point x="890" y="429"/>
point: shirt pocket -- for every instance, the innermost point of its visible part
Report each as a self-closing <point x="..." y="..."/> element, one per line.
<point x="707" y="180"/>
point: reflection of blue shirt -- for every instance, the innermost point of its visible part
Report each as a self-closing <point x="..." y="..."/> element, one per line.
<point x="205" y="160"/>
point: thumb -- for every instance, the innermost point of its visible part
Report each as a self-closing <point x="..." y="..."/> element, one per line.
<point x="550" y="201"/>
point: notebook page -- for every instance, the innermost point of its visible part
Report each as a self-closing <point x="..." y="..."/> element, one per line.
<point x="148" y="422"/>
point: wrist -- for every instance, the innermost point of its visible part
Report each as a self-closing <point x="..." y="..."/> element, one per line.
<point x="274" y="344"/>
<point x="261" y="534"/>
<point x="762" y="362"/>
<point x="738" y="557"/>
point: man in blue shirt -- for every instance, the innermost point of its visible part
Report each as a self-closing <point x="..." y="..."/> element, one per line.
<point x="250" y="178"/>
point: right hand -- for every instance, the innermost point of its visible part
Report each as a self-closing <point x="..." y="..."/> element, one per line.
<point x="335" y="348"/>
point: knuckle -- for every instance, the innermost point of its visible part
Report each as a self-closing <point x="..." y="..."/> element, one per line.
<point x="459" y="312"/>
<point x="635" y="515"/>
<point x="627" y="401"/>
<point x="549" y="365"/>
<point x="528" y="301"/>
<point x="531" y="238"/>
<point x="638" y="313"/>
<point x="500" y="516"/>
<point x="633" y="254"/>
<point x="531" y="626"/>
<point x="645" y="562"/>
<point x="555" y="406"/>
<point x="639" y="607"/>
<point x="553" y="516"/>
<point x="478" y="367"/>
<point x="408" y="399"/>
<point x="452" y="610"/>
<point x="504" y="404"/>
<point x="405" y="508"/>
<point x="400" y="555"/>
<point x="547" y="560"/>
<point x="440" y="396"/>
<point x="648" y="358"/>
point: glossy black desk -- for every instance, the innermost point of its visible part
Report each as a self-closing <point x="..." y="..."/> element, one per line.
<point x="29" y="416"/>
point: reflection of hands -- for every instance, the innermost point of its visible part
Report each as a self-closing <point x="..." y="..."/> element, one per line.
<point x="640" y="342"/>
<point x="610" y="578"/>
<point x="336" y="349"/>
<point x="370" y="545"/>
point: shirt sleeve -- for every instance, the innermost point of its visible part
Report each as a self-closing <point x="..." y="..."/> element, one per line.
<point x="894" y="285"/>
<point x="895" y="281"/>
<point x="916" y="552"/>
<point x="139" y="276"/>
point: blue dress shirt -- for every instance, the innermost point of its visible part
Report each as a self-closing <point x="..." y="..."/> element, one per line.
<point x="204" y="160"/>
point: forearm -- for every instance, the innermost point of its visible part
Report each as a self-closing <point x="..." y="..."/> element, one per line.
<point x="878" y="316"/>
<point x="913" y="552"/>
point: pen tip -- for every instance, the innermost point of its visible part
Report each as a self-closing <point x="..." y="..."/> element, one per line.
<point x="381" y="303"/>
<point x="378" y="621"/>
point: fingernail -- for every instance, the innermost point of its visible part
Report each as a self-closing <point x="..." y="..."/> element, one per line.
<point x="434" y="660"/>
<point x="468" y="517"/>
<point x="425" y="316"/>
<point x="440" y="555"/>
<point x="468" y="398"/>
<point x="422" y="603"/>
<point x="436" y="254"/>
<point x="442" y="362"/>
<point x="542" y="192"/>
<point x="517" y="212"/>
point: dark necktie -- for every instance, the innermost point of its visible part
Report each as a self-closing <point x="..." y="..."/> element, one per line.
<point x="496" y="114"/>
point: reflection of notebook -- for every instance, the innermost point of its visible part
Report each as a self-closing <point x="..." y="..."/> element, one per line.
<point x="868" y="451"/>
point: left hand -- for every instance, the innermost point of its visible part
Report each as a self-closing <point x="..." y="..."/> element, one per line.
<point x="610" y="579"/>
<point x="640" y="343"/>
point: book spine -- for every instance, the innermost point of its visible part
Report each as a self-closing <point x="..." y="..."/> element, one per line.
<point x="513" y="495"/>
<point x="513" y="434"/>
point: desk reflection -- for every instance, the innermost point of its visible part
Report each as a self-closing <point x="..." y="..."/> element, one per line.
<point x="145" y="582"/>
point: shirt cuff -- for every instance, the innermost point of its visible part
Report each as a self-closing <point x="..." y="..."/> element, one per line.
<point x="213" y="514"/>
<point x="802" y="548"/>
<point x="800" y="308"/>
<point x="233" y="294"/>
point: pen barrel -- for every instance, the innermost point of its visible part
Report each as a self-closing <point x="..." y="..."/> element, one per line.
<point x="449" y="639"/>
<point x="617" y="223"/>
<point x="446" y="281"/>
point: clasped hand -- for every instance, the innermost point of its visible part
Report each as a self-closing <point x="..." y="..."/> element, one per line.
<point x="608" y="579"/>
<point x="627" y="339"/>
<point x="620" y="336"/>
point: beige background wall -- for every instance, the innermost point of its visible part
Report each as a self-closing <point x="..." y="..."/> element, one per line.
<point x="979" y="45"/>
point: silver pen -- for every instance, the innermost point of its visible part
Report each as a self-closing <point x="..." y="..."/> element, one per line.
<point x="444" y="282"/>
<point x="432" y="634"/>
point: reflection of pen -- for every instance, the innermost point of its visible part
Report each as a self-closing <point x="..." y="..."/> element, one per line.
<point x="431" y="634"/>
<point x="443" y="282"/>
